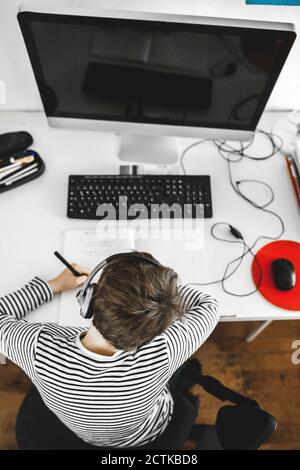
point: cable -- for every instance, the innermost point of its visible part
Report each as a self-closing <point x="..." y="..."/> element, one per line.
<point x="187" y="149"/>
<point x="226" y="150"/>
<point x="233" y="155"/>
<point x="246" y="249"/>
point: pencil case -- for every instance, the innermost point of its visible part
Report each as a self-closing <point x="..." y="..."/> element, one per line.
<point x="14" y="155"/>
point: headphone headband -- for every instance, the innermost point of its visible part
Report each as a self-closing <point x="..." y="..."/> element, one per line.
<point x="133" y="254"/>
<point x="130" y="254"/>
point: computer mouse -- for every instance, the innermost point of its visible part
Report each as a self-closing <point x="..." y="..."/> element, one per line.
<point x="283" y="272"/>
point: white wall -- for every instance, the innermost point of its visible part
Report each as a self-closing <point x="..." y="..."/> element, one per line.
<point x="15" y="69"/>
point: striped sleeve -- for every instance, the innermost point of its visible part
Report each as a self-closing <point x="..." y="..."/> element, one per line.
<point x="17" y="337"/>
<point x="186" y="335"/>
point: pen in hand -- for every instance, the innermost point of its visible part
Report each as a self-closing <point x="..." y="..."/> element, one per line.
<point x="68" y="265"/>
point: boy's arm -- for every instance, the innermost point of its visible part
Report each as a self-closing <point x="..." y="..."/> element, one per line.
<point x="186" y="335"/>
<point x="23" y="301"/>
<point x="17" y="337"/>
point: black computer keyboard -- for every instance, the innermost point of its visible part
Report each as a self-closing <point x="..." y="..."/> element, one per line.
<point x="96" y="197"/>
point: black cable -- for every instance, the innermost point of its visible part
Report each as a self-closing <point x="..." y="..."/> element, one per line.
<point x="227" y="151"/>
<point x="239" y="258"/>
<point x="246" y="249"/>
<point x="236" y="187"/>
<point x="187" y="149"/>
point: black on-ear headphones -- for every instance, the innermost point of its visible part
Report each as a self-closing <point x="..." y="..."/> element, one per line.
<point x="88" y="290"/>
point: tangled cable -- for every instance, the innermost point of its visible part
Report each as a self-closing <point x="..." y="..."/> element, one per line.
<point x="232" y="155"/>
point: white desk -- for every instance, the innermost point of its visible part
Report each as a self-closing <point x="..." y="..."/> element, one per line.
<point x="33" y="216"/>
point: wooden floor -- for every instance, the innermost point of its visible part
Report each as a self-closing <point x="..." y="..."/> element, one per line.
<point x="262" y="370"/>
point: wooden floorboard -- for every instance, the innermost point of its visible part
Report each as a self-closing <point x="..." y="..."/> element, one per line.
<point x="14" y="385"/>
<point x="262" y="369"/>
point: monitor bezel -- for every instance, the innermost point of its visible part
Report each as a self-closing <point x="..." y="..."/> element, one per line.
<point x="25" y="17"/>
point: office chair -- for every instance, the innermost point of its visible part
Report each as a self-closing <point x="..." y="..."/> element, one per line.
<point x="243" y="425"/>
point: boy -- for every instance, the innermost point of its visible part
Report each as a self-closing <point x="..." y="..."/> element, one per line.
<point x="109" y="384"/>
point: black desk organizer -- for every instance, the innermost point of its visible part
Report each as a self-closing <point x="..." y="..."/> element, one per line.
<point x="16" y="145"/>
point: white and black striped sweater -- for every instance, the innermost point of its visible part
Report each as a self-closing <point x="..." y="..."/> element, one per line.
<point x="121" y="400"/>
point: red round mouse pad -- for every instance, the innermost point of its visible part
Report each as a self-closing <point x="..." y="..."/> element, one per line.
<point x="290" y="299"/>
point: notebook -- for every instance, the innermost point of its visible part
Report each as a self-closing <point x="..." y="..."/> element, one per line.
<point x="185" y="254"/>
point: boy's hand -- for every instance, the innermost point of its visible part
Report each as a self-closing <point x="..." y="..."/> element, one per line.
<point x="67" y="281"/>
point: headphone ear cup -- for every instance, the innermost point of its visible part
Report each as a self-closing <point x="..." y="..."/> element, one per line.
<point x="87" y="309"/>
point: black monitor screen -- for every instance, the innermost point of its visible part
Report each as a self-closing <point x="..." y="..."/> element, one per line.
<point x="152" y="71"/>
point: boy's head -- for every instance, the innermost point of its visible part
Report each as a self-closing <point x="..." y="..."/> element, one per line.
<point x="135" y="301"/>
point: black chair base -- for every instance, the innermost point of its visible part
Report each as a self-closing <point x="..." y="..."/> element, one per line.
<point x="206" y="437"/>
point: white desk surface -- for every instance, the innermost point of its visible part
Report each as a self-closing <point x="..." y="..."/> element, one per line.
<point x="33" y="216"/>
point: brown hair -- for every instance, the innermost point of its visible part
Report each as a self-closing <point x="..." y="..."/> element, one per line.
<point x="135" y="301"/>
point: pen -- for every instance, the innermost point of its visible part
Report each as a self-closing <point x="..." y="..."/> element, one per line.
<point x="68" y="265"/>
<point x="17" y="163"/>
<point x="15" y="167"/>
<point x="5" y="173"/>
<point x="18" y="172"/>
<point x="293" y="178"/>
<point x="296" y="169"/>
<point x="13" y="162"/>
<point x="19" y="175"/>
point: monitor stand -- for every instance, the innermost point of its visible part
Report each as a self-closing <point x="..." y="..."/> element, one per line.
<point x="148" y="149"/>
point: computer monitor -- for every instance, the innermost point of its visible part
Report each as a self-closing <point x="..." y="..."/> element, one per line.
<point x="150" y="76"/>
